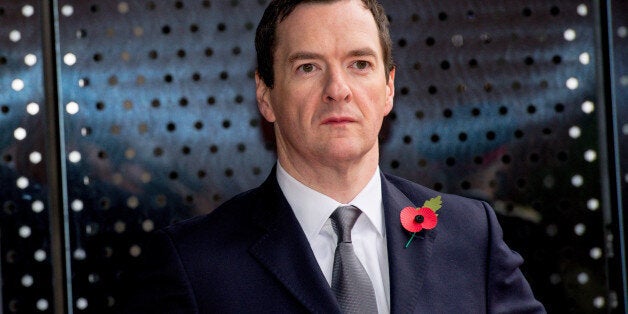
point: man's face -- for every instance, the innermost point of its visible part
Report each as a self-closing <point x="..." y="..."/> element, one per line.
<point x="331" y="93"/>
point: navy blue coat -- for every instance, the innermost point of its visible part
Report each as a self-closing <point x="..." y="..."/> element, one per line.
<point x="251" y="255"/>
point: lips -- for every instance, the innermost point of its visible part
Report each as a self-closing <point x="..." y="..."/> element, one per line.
<point x="338" y="120"/>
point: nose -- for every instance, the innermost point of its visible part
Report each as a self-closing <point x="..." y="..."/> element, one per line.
<point x="336" y="87"/>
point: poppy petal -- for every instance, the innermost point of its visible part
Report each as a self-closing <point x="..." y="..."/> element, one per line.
<point x="407" y="219"/>
<point x="429" y="218"/>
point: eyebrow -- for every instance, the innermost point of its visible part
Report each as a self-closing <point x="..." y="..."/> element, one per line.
<point x="304" y="55"/>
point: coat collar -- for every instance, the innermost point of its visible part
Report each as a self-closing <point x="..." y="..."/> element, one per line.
<point x="284" y="251"/>
<point x="407" y="266"/>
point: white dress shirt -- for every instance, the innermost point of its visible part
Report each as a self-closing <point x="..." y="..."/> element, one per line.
<point x="368" y="235"/>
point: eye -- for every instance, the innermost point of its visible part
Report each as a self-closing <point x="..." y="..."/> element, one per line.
<point x="361" y="64"/>
<point x="307" y="68"/>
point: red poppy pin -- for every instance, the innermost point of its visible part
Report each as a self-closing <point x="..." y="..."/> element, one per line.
<point x="417" y="219"/>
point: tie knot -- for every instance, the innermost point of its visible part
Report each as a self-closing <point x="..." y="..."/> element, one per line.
<point x="342" y="220"/>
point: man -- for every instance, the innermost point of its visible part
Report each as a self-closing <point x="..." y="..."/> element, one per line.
<point x="326" y="80"/>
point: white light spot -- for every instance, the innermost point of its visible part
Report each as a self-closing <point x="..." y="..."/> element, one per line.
<point x="579" y="229"/>
<point x="148" y="225"/>
<point x="42" y="304"/>
<point x="19" y="134"/>
<point x="588" y="107"/>
<point x="25" y="231"/>
<point x="595" y="253"/>
<point x="132" y="202"/>
<point x="622" y="31"/>
<point x="119" y="226"/>
<point x="15" y="36"/>
<point x="79" y="254"/>
<point x="570" y="34"/>
<point x="555" y="279"/>
<point x="74" y="157"/>
<point x="28" y="10"/>
<point x="22" y="182"/>
<point x="624" y="129"/>
<point x="35" y="157"/>
<point x="623" y="80"/>
<point x="27" y="280"/>
<point x="30" y="59"/>
<point x="72" y="107"/>
<point x="599" y="302"/>
<point x="457" y="40"/>
<point x="583" y="10"/>
<point x="590" y="155"/>
<point x="584" y="58"/>
<point x="583" y="278"/>
<point x="69" y="59"/>
<point x="77" y="205"/>
<point x="32" y="108"/>
<point x="577" y="180"/>
<point x="67" y="10"/>
<point x="81" y="303"/>
<point x="593" y="204"/>
<point x="135" y="251"/>
<point x="123" y="7"/>
<point x="40" y="255"/>
<point x="572" y="83"/>
<point x="37" y="206"/>
<point x="17" y="85"/>
<point x="575" y="132"/>
<point x="81" y="83"/>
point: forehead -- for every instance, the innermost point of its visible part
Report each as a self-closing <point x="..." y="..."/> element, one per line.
<point x="337" y="24"/>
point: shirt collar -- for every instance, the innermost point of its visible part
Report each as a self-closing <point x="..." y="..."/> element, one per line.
<point x="312" y="208"/>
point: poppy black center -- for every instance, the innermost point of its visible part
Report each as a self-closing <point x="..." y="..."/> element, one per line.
<point x="419" y="218"/>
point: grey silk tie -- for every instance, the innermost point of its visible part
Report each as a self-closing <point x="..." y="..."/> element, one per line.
<point x="350" y="282"/>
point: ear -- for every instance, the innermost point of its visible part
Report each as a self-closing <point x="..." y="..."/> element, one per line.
<point x="262" y="93"/>
<point x="390" y="90"/>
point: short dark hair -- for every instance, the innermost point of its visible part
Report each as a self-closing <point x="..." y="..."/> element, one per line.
<point x="278" y="10"/>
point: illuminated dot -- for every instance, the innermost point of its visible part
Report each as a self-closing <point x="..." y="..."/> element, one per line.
<point x="22" y="182"/>
<point x="25" y="231"/>
<point x="123" y="7"/>
<point x="583" y="278"/>
<point x="593" y="204"/>
<point x="67" y="10"/>
<point x="77" y="205"/>
<point x="599" y="302"/>
<point x="81" y="303"/>
<point x="579" y="229"/>
<point x="622" y="31"/>
<point x="584" y="58"/>
<point x="15" y="36"/>
<point x="17" y="85"/>
<point x="74" y="157"/>
<point x="27" y="280"/>
<point x="28" y="10"/>
<point x="82" y="83"/>
<point x="69" y="59"/>
<point x="42" y="304"/>
<point x="72" y="107"/>
<point x="132" y="202"/>
<point x="575" y="132"/>
<point x="32" y="108"/>
<point x="35" y="157"/>
<point x="135" y="251"/>
<point x="570" y="34"/>
<point x="623" y="80"/>
<point x="590" y="155"/>
<point x="577" y="180"/>
<point x="79" y="254"/>
<point x="624" y="129"/>
<point x="40" y="255"/>
<point x="37" y="206"/>
<point x="555" y="279"/>
<point x="572" y="83"/>
<point x="595" y="253"/>
<point x="582" y="10"/>
<point x="588" y="107"/>
<point x="19" y="134"/>
<point x="148" y="225"/>
<point x="457" y="40"/>
<point x="30" y="59"/>
<point x="119" y="226"/>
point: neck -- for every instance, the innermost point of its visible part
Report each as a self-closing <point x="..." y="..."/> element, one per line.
<point x="341" y="181"/>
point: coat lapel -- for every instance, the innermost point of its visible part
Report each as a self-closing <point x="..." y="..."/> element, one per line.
<point x="285" y="251"/>
<point x="407" y="266"/>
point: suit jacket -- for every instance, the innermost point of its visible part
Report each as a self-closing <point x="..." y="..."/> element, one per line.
<point x="251" y="255"/>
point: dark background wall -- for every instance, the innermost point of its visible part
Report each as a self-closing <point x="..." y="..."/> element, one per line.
<point x="120" y="117"/>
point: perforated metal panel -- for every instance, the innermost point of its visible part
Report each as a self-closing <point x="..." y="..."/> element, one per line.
<point x="497" y="101"/>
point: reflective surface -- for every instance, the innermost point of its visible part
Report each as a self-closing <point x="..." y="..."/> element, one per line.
<point x="494" y="102"/>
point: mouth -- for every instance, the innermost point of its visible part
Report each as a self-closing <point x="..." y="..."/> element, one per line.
<point x="338" y="120"/>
